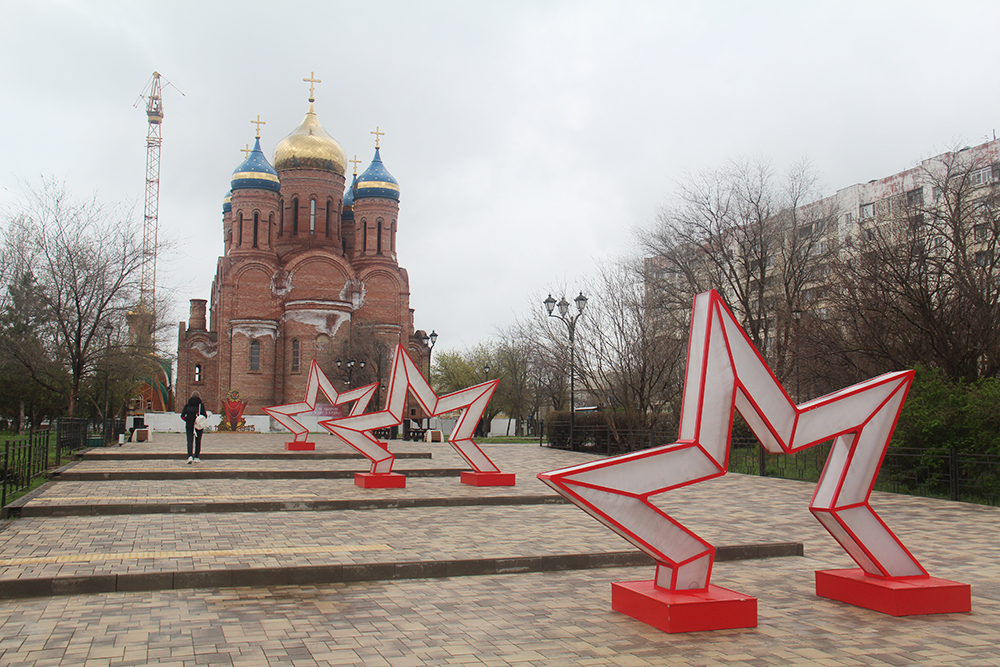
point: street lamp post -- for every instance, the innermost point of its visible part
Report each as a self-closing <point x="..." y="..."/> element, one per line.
<point x="570" y="322"/>
<point x="350" y="370"/>
<point x="797" y="316"/>
<point x="107" y="329"/>
<point x="429" y="342"/>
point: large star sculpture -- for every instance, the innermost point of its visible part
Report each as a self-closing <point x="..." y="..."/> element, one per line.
<point x="405" y="378"/>
<point x="725" y="373"/>
<point x="318" y="382"/>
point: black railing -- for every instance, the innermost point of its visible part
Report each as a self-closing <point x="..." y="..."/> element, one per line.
<point x="71" y="436"/>
<point x="602" y="439"/>
<point x="24" y="458"/>
<point x="935" y="473"/>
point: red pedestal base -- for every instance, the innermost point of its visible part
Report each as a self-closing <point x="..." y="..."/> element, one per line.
<point x="300" y="446"/>
<point x="381" y="480"/>
<point x="695" y="611"/>
<point x="896" y="597"/>
<point x="474" y="478"/>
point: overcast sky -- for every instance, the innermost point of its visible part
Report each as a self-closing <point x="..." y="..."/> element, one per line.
<point x="529" y="139"/>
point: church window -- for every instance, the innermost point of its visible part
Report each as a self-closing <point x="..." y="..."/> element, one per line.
<point x="255" y="355"/>
<point x="239" y="239"/>
<point x="392" y="237"/>
<point x="295" y="216"/>
<point x="378" y="238"/>
<point x="312" y="217"/>
<point x="364" y="236"/>
<point x="281" y="219"/>
<point x="329" y="207"/>
<point x="197" y="373"/>
<point x="270" y="224"/>
<point x="295" y="355"/>
<point x="256" y="228"/>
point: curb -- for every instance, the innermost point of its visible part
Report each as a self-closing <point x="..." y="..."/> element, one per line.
<point x="17" y="508"/>
<point x="67" y="475"/>
<point x="92" y="455"/>
<point x="333" y="574"/>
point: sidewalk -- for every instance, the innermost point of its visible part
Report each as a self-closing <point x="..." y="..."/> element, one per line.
<point x="253" y="604"/>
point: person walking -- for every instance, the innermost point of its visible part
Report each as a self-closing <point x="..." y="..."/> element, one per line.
<point x="192" y="410"/>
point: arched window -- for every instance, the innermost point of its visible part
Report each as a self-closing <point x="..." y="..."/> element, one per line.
<point x="281" y="218"/>
<point x="270" y="224"/>
<point x="378" y="238"/>
<point x="295" y="355"/>
<point x="255" y="355"/>
<point x="197" y="373"/>
<point x="312" y="217"/>
<point x="329" y="208"/>
<point x="239" y="240"/>
<point x="364" y="236"/>
<point x="256" y="227"/>
<point x="392" y="237"/>
<point x="295" y="216"/>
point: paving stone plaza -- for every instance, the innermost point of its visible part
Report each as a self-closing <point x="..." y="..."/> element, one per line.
<point x="257" y="556"/>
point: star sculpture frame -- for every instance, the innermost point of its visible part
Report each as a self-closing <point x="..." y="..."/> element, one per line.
<point x="406" y="379"/>
<point x="726" y="374"/>
<point x="316" y="383"/>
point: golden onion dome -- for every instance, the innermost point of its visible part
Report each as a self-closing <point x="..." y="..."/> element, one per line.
<point x="309" y="146"/>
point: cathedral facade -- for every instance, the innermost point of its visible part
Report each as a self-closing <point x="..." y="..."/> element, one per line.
<point x="309" y="271"/>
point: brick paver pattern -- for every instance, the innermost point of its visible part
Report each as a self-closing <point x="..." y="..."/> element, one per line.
<point x="560" y="618"/>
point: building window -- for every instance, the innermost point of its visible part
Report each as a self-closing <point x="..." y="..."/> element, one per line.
<point x="255" y="355"/>
<point x="240" y="233"/>
<point x="312" y="217"/>
<point x="983" y="258"/>
<point x="867" y="211"/>
<point x="915" y="197"/>
<point x="329" y="214"/>
<point x="270" y="224"/>
<point x="378" y="238"/>
<point x="392" y="237"/>
<point x="256" y="228"/>
<point x="295" y="216"/>
<point x="295" y="355"/>
<point x="197" y="373"/>
<point x="981" y="176"/>
<point x="281" y="218"/>
<point x="364" y="236"/>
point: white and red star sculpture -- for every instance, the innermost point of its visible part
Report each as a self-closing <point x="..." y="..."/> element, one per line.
<point x="317" y="382"/>
<point x="726" y="374"/>
<point x="405" y="378"/>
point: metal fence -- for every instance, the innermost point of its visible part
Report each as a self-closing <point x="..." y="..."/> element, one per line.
<point x="935" y="473"/>
<point x="24" y="458"/>
<point x="602" y="439"/>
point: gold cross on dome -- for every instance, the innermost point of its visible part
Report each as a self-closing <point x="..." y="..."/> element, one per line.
<point x="356" y="162"/>
<point x="246" y="151"/>
<point x="312" y="85"/>
<point x="258" y="123"/>
<point x="377" y="135"/>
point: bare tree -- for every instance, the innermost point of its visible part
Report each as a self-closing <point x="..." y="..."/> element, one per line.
<point x="755" y="239"/>
<point x="922" y="275"/>
<point x="81" y="262"/>
<point x="629" y="361"/>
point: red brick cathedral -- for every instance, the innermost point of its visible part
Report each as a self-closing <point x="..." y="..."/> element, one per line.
<point x="309" y="271"/>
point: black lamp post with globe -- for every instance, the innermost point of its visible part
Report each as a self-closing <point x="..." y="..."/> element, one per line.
<point x="570" y="322"/>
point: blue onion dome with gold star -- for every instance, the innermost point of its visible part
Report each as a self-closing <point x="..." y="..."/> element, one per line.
<point x="377" y="181"/>
<point x="309" y="146"/>
<point x="256" y="172"/>
<point x="348" y="204"/>
<point x="227" y="202"/>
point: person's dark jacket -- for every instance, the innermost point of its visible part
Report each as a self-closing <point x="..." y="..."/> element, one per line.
<point x="192" y="409"/>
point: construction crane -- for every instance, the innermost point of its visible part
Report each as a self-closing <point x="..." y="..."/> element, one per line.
<point x="145" y="309"/>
